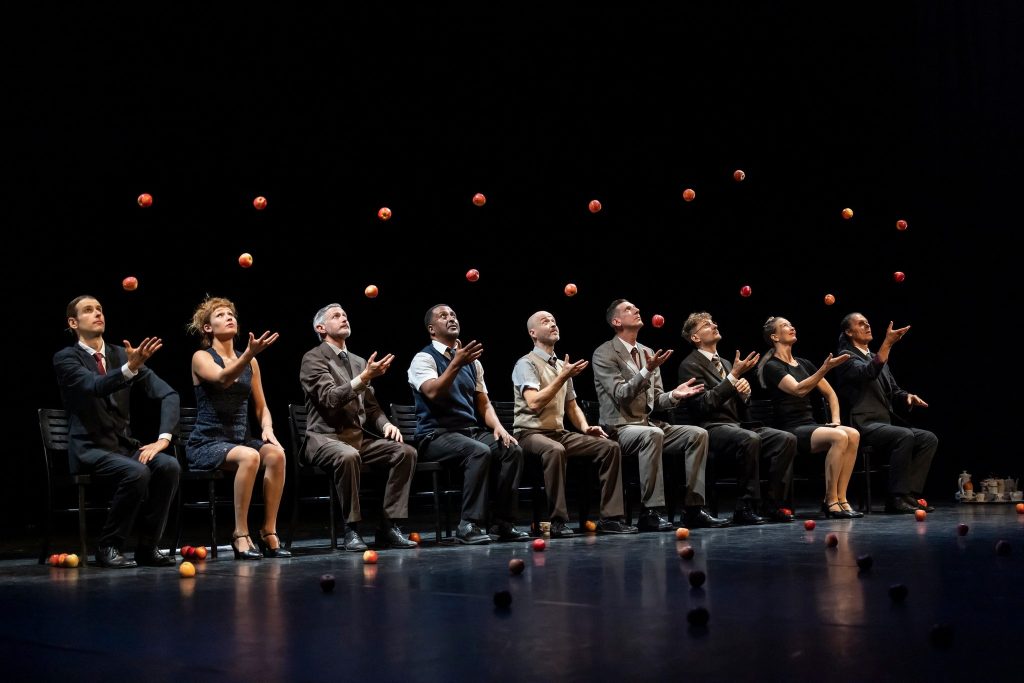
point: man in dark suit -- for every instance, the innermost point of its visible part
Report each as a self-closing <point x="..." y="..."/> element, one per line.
<point x="95" y="381"/>
<point x="868" y="396"/>
<point x="346" y="428"/>
<point x="627" y="376"/>
<point x="721" y="409"/>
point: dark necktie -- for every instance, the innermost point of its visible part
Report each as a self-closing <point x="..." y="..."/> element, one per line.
<point x="636" y="357"/>
<point x="99" y="363"/>
<point x="346" y="363"/>
<point x="449" y="353"/>
<point x="719" y="368"/>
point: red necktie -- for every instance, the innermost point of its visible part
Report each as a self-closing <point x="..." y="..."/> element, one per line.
<point x="636" y="357"/>
<point x="99" y="363"/>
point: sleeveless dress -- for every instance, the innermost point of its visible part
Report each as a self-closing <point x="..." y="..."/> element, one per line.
<point x="222" y="420"/>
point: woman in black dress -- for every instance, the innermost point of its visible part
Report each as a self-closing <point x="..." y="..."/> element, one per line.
<point x="789" y="380"/>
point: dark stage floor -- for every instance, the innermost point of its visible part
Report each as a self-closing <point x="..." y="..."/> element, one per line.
<point x="782" y="606"/>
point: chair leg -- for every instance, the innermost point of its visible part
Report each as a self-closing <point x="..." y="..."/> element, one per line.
<point x="437" y="506"/>
<point x="212" y="495"/>
<point x="295" y="512"/>
<point x="330" y="515"/>
<point x="44" y="547"/>
<point x="867" y="482"/>
<point x="81" y="523"/>
<point x="177" y="524"/>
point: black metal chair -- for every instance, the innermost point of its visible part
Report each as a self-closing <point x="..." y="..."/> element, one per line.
<point x="533" y="468"/>
<point x="53" y="428"/>
<point x="403" y="416"/>
<point x="303" y="471"/>
<point x="186" y="424"/>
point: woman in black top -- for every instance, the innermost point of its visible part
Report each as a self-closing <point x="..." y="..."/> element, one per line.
<point x="790" y="380"/>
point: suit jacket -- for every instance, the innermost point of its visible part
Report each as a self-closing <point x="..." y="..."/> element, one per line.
<point x="866" y="388"/>
<point x="335" y="411"/>
<point x="720" y="403"/>
<point x="624" y="396"/>
<point x="98" y="405"/>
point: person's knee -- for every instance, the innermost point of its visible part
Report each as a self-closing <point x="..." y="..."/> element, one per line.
<point x="166" y="466"/>
<point x="928" y="440"/>
<point x="348" y="459"/>
<point x="248" y="459"/>
<point x="274" y="458"/>
<point x="555" y="452"/>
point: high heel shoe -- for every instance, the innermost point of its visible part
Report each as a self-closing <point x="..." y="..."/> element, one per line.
<point x="250" y="553"/>
<point x="849" y="509"/>
<point x="835" y="510"/>
<point x="273" y="552"/>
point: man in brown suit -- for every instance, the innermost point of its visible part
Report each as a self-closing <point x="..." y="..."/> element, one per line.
<point x="347" y="428"/>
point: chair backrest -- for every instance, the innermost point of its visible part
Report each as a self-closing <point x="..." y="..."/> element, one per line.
<point x="53" y="428"/>
<point x="403" y="416"/>
<point x="506" y="412"/>
<point x="186" y="423"/>
<point x="297" y="418"/>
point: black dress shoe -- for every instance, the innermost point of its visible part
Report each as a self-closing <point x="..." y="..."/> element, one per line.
<point x="896" y="505"/>
<point x="559" y="529"/>
<point x="700" y="518"/>
<point x="506" y="531"/>
<point x="745" y="516"/>
<point x="392" y="537"/>
<point x="836" y="511"/>
<point x="911" y="500"/>
<point x="251" y="552"/>
<point x="469" y="533"/>
<point x="152" y="557"/>
<point x="111" y="558"/>
<point x="854" y="514"/>
<point x="353" y="542"/>
<point x="654" y="519"/>
<point x="615" y="526"/>
<point x="278" y="552"/>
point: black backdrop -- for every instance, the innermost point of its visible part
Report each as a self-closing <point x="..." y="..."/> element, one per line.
<point x="909" y="113"/>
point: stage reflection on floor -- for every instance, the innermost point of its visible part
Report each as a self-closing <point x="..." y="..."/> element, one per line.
<point x="782" y="606"/>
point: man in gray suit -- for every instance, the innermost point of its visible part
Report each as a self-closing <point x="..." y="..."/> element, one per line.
<point x="627" y="376"/>
<point x="347" y="428"/>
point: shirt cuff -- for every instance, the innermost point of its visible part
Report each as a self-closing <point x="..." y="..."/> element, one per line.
<point x="357" y="383"/>
<point x="128" y="372"/>
<point x="169" y="437"/>
<point x="644" y="372"/>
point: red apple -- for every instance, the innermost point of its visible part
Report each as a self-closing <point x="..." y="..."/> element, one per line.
<point x="738" y="175"/>
<point x="516" y="565"/>
<point x="847" y="214"/>
<point x="899" y="276"/>
<point x="371" y="291"/>
<point x="327" y="583"/>
<point x="809" y="524"/>
<point x="130" y="283"/>
<point x="745" y="290"/>
<point x="384" y="213"/>
<point x="594" y="206"/>
<point x="658" y="320"/>
<point x="682" y="533"/>
<point x="539" y="545"/>
<point x="590" y="525"/>
<point x="473" y="275"/>
<point x="1020" y="508"/>
<point x="245" y="260"/>
<point x="962" y="529"/>
<point x="145" y="200"/>
<point x="479" y="199"/>
<point x="570" y="289"/>
<point x="414" y="537"/>
<point x="829" y="299"/>
<point x="54" y="560"/>
<point x="901" y="225"/>
<point x="370" y="557"/>
<point x="689" y="195"/>
<point x="71" y="560"/>
<point x="260" y="203"/>
<point x="922" y="502"/>
<point x="187" y="551"/>
<point x="187" y="570"/>
<point x="919" y="515"/>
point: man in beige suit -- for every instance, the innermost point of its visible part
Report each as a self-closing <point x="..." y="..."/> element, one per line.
<point x="346" y="428"/>
<point x="627" y="376"/>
